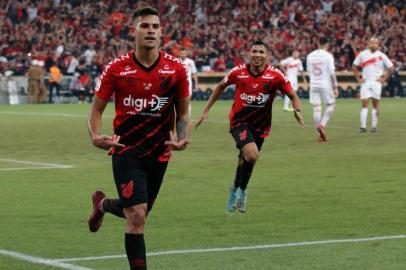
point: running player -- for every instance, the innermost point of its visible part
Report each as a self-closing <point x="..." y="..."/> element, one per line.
<point x="250" y="117"/>
<point x="373" y="63"/>
<point x="323" y="85"/>
<point x="148" y="87"/>
<point x="292" y="66"/>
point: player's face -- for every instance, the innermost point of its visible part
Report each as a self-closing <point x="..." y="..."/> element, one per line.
<point x="373" y="44"/>
<point x="295" y="54"/>
<point x="148" y="32"/>
<point x="183" y="54"/>
<point x="258" y="55"/>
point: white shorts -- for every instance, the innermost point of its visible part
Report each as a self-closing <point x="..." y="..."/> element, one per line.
<point x="294" y="85"/>
<point x="371" y="89"/>
<point x="321" y="95"/>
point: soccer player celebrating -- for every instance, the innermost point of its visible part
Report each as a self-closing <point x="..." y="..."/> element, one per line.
<point x="149" y="86"/>
<point x="323" y="85"/>
<point x="250" y="116"/>
<point x="292" y="65"/>
<point x="373" y="63"/>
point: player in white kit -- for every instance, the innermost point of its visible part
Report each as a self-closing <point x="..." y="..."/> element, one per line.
<point x="323" y="85"/>
<point x="373" y="63"/>
<point x="292" y="65"/>
<point x="191" y="72"/>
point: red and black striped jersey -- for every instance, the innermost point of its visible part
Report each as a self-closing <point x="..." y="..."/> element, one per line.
<point x="254" y="96"/>
<point x="144" y="102"/>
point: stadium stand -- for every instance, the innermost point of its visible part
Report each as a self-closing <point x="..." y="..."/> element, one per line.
<point x="82" y="36"/>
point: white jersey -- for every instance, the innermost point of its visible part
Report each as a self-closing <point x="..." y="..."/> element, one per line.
<point x="320" y="68"/>
<point x="292" y="66"/>
<point x="373" y="64"/>
<point x="191" y="68"/>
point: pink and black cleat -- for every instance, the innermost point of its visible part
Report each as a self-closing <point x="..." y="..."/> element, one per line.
<point x="322" y="134"/>
<point x="96" y="217"/>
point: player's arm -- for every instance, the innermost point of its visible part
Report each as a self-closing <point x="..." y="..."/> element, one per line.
<point x="333" y="76"/>
<point x="357" y="74"/>
<point x="181" y="139"/>
<point x="296" y="107"/>
<point x="218" y="90"/>
<point x="387" y="74"/>
<point x="94" y="126"/>
<point x="196" y="81"/>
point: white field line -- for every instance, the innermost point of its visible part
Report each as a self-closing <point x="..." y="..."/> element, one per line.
<point x="50" y="114"/>
<point x="38" y="260"/>
<point x="40" y="165"/>
<point x="270" y="246"/>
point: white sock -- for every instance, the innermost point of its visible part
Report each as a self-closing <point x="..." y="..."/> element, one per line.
<point x="364" y="115"/>
<point x="190" y="111"/>
<point x="316" y="115"/>
<point x="327" y="114"/>
<point x="286" y="102"/>
<point x="375" y="113"/>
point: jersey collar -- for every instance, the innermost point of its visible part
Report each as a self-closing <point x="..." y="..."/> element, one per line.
<point x="147" y="69"/>
<point x="259" y="74"/>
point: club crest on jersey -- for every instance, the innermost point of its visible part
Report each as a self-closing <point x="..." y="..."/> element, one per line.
<point x="147" y="86"/>
<point x="155" y="103"/>
<point x="253" y="100"/>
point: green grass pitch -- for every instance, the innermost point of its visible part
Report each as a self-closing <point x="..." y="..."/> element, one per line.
<point x="352" y="187"/>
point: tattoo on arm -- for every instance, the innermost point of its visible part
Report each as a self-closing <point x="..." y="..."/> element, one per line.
<point x="181" y="129"/>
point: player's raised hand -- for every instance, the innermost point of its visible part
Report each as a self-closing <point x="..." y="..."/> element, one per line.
<point x="202" y="118"/>
<point x="299" y="117"/>
<point x="175" y="144"/>
<point x="106" y="142"/>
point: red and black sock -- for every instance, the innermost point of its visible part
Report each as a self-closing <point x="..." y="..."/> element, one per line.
<point x="136" y="254"/>
<point x="114" y="207"/>
<point x="245" y="174"/>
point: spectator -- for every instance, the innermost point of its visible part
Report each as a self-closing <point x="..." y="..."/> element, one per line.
<point x="54" y="81"/>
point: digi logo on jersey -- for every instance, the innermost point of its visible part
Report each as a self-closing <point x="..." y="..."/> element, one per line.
<point x="261" y="99"/>
<point x="154" y="103"/>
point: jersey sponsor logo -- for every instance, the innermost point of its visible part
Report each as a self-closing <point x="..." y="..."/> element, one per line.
<point x="155" y="103"/>
<point x="128" y="71"/>
<point x="115" y="60"/>
<point x="165" y="71"/>
<point x="260" y="100"/>
<point x="173" y="58"/>
<point x="267" y="76"/>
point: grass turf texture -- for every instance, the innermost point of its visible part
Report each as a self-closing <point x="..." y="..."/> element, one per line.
<point x="353" y="186"/>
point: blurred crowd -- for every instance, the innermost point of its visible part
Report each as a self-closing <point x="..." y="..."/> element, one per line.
<point x="80" y="37"/>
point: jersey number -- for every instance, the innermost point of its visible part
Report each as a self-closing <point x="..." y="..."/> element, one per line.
<point x="316" y="70"/>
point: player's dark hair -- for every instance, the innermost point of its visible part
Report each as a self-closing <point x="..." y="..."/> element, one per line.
<point x="259" y="43"/>
<point x="145" y="11"/>
<point x="324" y="40"/>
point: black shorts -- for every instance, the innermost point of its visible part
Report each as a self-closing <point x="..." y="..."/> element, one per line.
<point x="243" y="135"/>
<point x="137" y="180"/>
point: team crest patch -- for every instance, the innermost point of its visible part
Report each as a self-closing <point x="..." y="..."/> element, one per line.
<point x="243" y="135"/>
<point x="127" y="189"/>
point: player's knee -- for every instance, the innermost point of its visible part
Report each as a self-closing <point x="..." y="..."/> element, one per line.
<point x="331" y="107"/>
<point x="136" y="216"/>
<point x="252" y="157"/>
<point x="317" y="108"/>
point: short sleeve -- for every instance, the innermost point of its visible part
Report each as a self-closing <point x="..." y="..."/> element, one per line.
<point x="386" y="61"/>
<point x="104" y="88"/>
<point x="193" y="67"/>
<point x="283" y="84"/>
<point x="331" y="65"/>
<point x="182" y="84"/>
<point x="300" y="65"/>
<point x="230" y="78"/>
<point x="284" y="62"/>
<point x="357" y="60"/>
